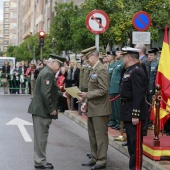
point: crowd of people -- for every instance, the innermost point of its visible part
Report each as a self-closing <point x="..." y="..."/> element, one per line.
<point x="21" y="78"/>
<point x="126" y="75"/>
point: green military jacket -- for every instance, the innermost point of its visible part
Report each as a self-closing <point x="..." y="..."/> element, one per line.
<point x="110" y="70"/>
<point x="116" y="76"/>
<point x="45" y="98"/>
<point x="152" y="77"/>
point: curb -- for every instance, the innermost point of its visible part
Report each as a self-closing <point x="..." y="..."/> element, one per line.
<point x="147" y="163"/>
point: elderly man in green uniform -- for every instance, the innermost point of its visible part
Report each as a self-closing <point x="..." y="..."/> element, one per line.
<point x="44" y="108"/>
<point x="99" y="109"/>
<point x="153" y="70"/>
<point x="111" y="59"/>
<point x="114" y="91"/>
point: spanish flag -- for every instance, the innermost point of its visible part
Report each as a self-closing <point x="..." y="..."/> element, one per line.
<point x="163" y="79"/>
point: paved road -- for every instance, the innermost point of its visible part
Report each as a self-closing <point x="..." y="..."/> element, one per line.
<point x="67" y="144"/>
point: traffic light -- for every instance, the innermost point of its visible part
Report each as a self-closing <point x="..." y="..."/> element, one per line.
<point x="41" y="38"/>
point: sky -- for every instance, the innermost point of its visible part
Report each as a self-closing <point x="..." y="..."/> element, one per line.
<point x="1" y="9"/>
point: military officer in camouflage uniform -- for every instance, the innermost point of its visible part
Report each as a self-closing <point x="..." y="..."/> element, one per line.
<point x="99" y="109"/>
<point x="44" y="108"/>
<point x="153" y="70"/>
<point x="111" y="59"/>
<point x="114" y="91"/>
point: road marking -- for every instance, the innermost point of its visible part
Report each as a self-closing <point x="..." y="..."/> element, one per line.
<point x="21" y="125"/>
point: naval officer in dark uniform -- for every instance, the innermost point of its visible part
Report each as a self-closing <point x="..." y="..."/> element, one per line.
<point x="44" y="108"/>
<point x="133" y="106"/>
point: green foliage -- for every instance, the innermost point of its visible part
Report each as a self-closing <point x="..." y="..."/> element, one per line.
<point x="10" y="51"/>
<point x="29" y="49"/>
<point x="70" y="31"/>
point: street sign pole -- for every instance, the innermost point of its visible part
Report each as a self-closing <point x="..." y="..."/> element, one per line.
<point x="97" y="22"/>
<point x="97" y="41"/>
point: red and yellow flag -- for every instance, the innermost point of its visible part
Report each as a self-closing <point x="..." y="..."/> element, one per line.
<point x="163" y="79"/>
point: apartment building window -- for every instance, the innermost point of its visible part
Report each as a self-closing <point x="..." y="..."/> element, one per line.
<point x="6" y="20"/>
<point x="6" y="42"/>
<point x="6" y="3"/>
<point x="13" y="15"/>
<point x="6" y="9"/>
<point x="14" y="25"/>
<point x="6" y="26"/>
<point x="6" y="37"/>
<point x="6" y="15"/>
<point x="6" y="31"/>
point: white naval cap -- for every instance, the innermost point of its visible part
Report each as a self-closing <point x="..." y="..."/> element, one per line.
<point x="130" y="50"/>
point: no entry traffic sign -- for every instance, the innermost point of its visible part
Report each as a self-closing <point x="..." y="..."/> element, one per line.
<point x="97" y="21"/>
<point x="141" y="21"/>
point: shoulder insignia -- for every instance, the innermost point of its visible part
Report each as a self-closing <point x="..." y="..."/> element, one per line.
<point x="47" y="82"/>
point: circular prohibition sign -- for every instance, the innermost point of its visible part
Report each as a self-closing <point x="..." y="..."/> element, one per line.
<point x="97" y="21"/>
<point x="141" y="21"/>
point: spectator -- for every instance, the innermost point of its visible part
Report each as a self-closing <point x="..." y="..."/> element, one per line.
<point x="32" y="79"/>
<point x="5" y="76"/>
<point x="17" y="72"/>
<point x="60" y="83"/>
<point x="23" y="77"/>
<point x="40" y="66"/>
<point x="72" y="79"/>
<point x="11" y="81"/>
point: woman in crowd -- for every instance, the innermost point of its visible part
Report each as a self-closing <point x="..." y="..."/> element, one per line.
<point x="60" y="84"/>
<point x="11" y="80"/>
<point x="5" y="76"/>
<point x="31" y="77"/>
<point x="39" y="67"/>
<point x="72" y="79"/>
<point x="23" y="77"/>
<point x="17" y="72"/>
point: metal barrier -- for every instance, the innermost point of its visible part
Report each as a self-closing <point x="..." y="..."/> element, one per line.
<point x="8" y="86"/>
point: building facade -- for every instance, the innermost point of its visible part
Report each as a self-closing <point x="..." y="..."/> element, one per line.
<point x="6" y="21"/>
<point x="1" y="36"/>
<point x="35" y="16"/>
<point x="13" y="23"/>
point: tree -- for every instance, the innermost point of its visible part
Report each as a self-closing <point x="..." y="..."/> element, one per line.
<point x="70" y="31"/>
<point x="29" y="49"/>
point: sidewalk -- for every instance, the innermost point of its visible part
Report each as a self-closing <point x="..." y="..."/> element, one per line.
<point x="147" y="162"/>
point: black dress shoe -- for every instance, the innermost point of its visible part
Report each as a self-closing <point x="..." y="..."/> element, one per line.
<point x="47" y="166"/>
<point x="98" y="167"/>
<point x="124" y="144"/>
<point x="89" y="164"/>
<point x="89" y="155"/>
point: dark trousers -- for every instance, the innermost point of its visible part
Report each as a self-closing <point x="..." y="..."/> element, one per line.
<point x="17" y="83"/>
<point x="12" y="86"/>
<point x="134" y="142"/>
<point x="63" y="103"/>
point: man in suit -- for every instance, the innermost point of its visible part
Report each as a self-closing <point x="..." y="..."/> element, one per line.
<point x="134" y="109"/>
<point x="146" y="66"/>
<point x="99" y="109"/>
<point x="44" y="108"/>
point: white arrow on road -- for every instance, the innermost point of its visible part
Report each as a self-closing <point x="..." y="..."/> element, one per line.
<point x="20" y="123"/>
